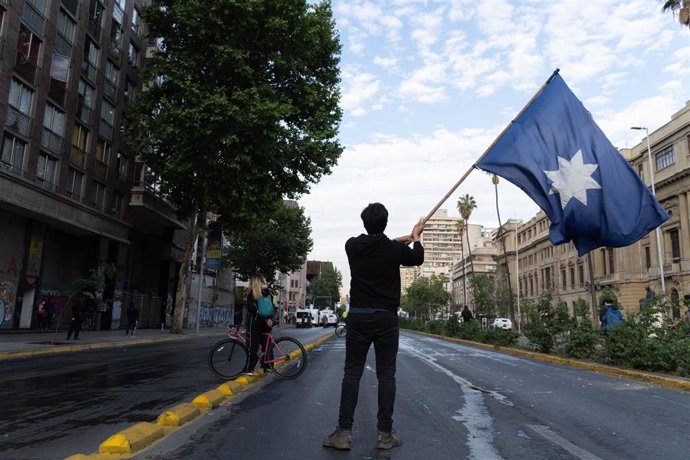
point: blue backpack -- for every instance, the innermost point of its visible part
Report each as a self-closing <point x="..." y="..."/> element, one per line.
<point x="265" y="306"/>
<point x="613" y="318"/>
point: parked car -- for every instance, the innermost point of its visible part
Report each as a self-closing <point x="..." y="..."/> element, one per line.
<point x="502" y="323"/>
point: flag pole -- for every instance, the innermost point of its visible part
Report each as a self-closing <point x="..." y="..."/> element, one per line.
<point x="467" y="173"/>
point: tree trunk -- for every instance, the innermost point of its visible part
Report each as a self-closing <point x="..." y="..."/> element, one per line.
<point x="183" y="275"/>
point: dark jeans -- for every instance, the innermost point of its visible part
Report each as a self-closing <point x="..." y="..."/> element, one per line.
<point x="383" y="330"/>
<point x="256" y="327"/>
<point x="75" y="326"/>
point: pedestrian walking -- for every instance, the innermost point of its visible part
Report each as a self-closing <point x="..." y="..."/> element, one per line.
<point x="132" y="318"/>
<point x="76" y="319"/>
<point x="375" y="262"/>
<point x="611" y="316"/>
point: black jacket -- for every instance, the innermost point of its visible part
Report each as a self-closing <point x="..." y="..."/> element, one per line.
<point x="375" y="264"/>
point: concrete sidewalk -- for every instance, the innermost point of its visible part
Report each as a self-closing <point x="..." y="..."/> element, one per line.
<point x="21" y="344"/>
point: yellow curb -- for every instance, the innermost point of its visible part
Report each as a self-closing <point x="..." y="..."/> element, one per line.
<point x="664" y="380"/>
<point x="132" y="439"/>
<point x="230" y="388"/>
<point x="247" y="379"/>
<point x="99" y="457"/>
<point x="209" y="400"/>
<point x="178" y="415"/>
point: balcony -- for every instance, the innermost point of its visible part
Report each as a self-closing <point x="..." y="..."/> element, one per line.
<point x="34" y="18"/>
<point x="18" y="122"/>
<point x="51" y="141"/>
<point x="78" y="157"/>
<point x="26" y="69"/>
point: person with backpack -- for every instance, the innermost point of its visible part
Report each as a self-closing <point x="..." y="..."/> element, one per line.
<point x="259" y="319"/>
<point x="612" y="317"/>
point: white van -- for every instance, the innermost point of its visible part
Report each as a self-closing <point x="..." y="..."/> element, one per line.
<point x="328" y="317"/>
<point x="304" y="318"/>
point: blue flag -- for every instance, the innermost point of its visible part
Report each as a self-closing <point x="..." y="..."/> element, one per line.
<point x="557" y="154"/>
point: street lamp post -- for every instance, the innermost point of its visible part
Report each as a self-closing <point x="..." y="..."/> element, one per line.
<point x="658" y="234"/>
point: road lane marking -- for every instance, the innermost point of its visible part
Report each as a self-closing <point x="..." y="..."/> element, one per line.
<point x="563" y="443"/>
<point x="474" y="414"/>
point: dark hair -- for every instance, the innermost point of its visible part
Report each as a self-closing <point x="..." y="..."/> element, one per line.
<point x="375" y="218"/>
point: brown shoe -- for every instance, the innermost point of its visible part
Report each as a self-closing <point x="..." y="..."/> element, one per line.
<point x="387" y="440"/>
<point x="339" y="439"/>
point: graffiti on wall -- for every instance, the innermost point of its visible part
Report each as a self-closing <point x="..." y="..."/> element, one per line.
<point x="215" y="316"/>
<point x="8" y="292"/>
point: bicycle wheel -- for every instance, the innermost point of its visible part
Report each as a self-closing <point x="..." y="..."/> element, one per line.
<point x="289" y="357"/>
<point x="228" y="358"/>
<point x="340" y="330"/>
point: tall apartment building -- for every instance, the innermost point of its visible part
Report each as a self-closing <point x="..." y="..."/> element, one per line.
<point x="558" y="270"/>
<point x="71" y="194"/>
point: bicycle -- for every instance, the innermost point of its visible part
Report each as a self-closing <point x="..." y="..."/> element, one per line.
<point x="341" y="330"/>
<point x="286" y="357"/>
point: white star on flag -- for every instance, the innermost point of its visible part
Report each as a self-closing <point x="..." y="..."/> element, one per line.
<point x="572" y="179"/>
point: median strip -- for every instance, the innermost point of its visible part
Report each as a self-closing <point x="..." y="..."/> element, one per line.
<point x="142" y="435"/>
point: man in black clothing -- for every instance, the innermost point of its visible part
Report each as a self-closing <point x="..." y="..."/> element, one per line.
<point x="375" y="264"/>
<point x="466" y="315"/>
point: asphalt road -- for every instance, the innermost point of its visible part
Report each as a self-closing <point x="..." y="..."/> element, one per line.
<point x="55" y="406"/>
<point x="453" y="402"/>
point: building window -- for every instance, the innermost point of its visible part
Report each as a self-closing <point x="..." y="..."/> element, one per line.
<point x="133" y="55"/>
<point x="46" y="170"/>
<point x="107" y="120"/>
<point x="581" y="273"/>
<point x="102" y="160"/>
<point x="85" y="102"/>
<point x="119" y="10"/>
<point x="563" y="279"/>
<point x="665" y="158"/>
<point x="65" y="36"/>
<point x="13" y="152"/>
<point x="91" y="59"/>
<point x="111" y="77"/>
<point x="122" y="166"/>
<point x="21" y="97"/>
<point x="99" y="193"/>
<point x="75" y="184"/>
<point x="572" y="276"/>
<point x="118" y="204"/>
<point x="675" y="245"/>
<point x="612" y="261"/>
<point x="53" y="120"/>
<point x="28" y="46"/>
<point x="80" y="139"/>
<point x="647" y="257"/>
<point x="136" y="25"/>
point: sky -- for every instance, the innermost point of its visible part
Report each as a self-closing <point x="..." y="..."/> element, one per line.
<point x="427" y="86"/>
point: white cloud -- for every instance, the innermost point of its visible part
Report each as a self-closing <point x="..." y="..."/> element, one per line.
<point x="361" y="88"/>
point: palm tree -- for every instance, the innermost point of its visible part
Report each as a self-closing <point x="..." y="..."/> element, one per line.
<point x="462" y="225"/>
<point x="466" y="205"/>
<point x="494" y="180"/>
<point x="682" y="7"/>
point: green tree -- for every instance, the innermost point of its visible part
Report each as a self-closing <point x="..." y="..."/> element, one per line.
<point x="462" y="228"/>
<point x="240" y="108"/>
<point x="466" y="205"/>
<point x="280" y="243"/>
<point x="426" y="296"/>
<point x="501" y="236"/>
<point x="327" y="284"/>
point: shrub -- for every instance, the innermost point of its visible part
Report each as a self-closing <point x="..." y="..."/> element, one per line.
<point x="544" y="323"/>
<point x="501" y="337"/>
<point x="582" y="342"/>
<point x="452" y="326"/>
<point x="471" y="330"/>
<point x="435" y="327"/>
